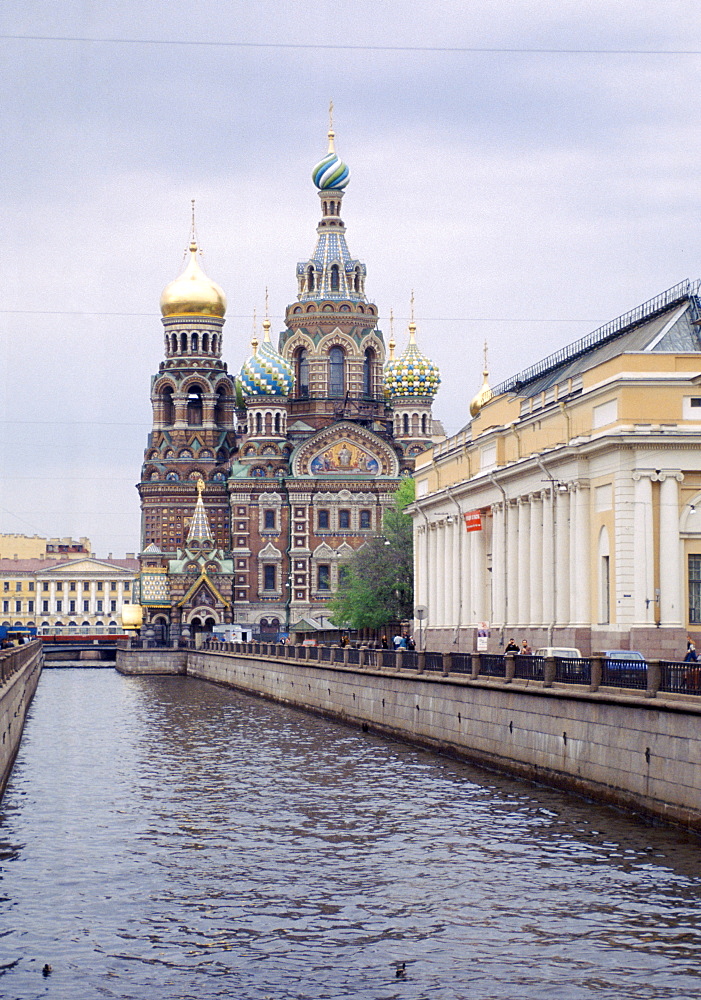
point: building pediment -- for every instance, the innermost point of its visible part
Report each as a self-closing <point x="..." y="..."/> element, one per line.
<point x="85" y="567"/>
<point x="347" y="451"/>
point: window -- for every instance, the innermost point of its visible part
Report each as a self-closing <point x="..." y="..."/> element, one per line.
<point x="44" y="587"/>
<point x="168" y="407"/>
<point x="30" y="607"/>
<point x="344" y="519"/>
<point x="194" y="406"/>
<point x="323" y="519"/>
<point x="99" y="584"/>
<point x="6" y="607"/>
<point x="269" y="518"/>
<point x="113" y="605"/>
<point x="113" y="586"/>
<point x="335" y="276"/>
<point x="31" y="587"/>
<point x="336" y="372"/>
<point x="18" y="586"/>
<point x="368" y="365"/>
<point x="18" y="607"/>
<point x="86" y="607"/>
<point x="71" y="607"/>
<point x="364" y="519"/>
<point x="59" y="607"/>
<point x="302" y="372"/>
<point x="71" y="586"/>
<point x="694" y="590"/>
<point x="269" y="577"/>
<point x="86" y="585"/>
<point x="59" y="586"/>
<point x="45" y="607"/>
<point x="6" y="585"/>
<point x="324" y="577"/>
<point x="99" y="607"/>
<point x="126" y="586"/>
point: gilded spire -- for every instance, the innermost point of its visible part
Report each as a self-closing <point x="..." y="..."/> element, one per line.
<point x="392" y="343"/>
<point x="332" y="134"/>
<point x="199" y="526"/>
<point x="266" y="321"/>
<point x="254" y="338"/>
<point x="412" y="323"/>
<point x="485" y="393"/>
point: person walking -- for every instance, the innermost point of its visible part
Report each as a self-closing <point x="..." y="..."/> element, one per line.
<point x="691" y="654"/>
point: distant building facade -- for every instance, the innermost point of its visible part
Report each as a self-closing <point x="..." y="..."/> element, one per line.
<point x="85" y="592"/>
<point x="580" y="483"/>
<point x="256" y="489"/>
<point x="36" y="547"/>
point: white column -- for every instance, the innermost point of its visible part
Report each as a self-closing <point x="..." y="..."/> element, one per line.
<point x="511" y="563"/>
<point x="670" y="550"/>
<point x="465" y="590"/>
<point x="536" y="560"/>
<point x="548" y="566"/>
<point x="581" y="556"/>
<point x="498" y="550"/>
<point x="643" y="551"/>
<point x="478" y="573"/>
<point x="438" y="561"/>
<point x="420" y="564"/>
<point x="524" y="551"/>
<point x="449" y="573"/>
<point x="430" y="577"/>
<point x="562" y="557"/>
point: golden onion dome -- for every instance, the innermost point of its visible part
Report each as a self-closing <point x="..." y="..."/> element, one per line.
<point x="485" y="393"/>
<point x="193" y="293"/>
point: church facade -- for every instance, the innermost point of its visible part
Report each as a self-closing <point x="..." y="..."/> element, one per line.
<point x="256" y="488"/>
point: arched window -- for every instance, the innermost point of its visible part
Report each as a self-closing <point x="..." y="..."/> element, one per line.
<point x="405" y="428"/>
<point x="168" y="407"/>
<point x="335" y="278"/>
<point x="259" y="423"/>
<point x="368" y="366"/>
<point x="310" y="279"/>
<point x="174" y="344"/>
<point x="424" y="424"/>
<point x="194" y="342"/>
<point x="183" y="342"/>
<point x="205" y="342"/>
<point x="356" y="280"/>
<point x="277" y="423"/>
<point x="302" y="372"/>
<point x="214" y="343"/>
<point x="220" y="408"/>
<point x="336" y="372"/>
<point x="194" y="406"/>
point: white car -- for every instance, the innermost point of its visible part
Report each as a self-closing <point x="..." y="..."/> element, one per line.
<point x="564" y="652"/>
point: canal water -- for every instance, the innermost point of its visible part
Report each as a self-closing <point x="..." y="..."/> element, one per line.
<point x="166" y="838"/>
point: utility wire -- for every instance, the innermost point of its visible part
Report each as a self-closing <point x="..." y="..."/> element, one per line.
<point x="337" y="47"/>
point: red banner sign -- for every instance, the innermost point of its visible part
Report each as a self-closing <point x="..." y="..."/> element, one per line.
<point x="473" y="520"/>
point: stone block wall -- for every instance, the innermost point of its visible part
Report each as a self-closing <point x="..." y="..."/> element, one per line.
<point x="20" y="669"/>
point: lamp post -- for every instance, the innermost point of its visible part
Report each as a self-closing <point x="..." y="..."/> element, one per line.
<point x="421" y="612"/>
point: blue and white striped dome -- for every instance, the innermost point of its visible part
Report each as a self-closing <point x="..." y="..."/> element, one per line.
<point x="266" y="373"/>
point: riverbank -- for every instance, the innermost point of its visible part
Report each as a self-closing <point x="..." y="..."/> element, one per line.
<point x="619" y="747"/>
<point x="20" y="669"/>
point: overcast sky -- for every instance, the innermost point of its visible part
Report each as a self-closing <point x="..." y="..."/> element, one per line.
<point x="527" y="190"/>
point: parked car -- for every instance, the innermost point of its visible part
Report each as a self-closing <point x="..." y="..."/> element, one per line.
<point x="624" y="668"/>
<point x="564" y="652"/>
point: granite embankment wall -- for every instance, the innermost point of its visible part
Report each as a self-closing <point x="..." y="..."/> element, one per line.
<point x="620" y="747"/>
<point x="20" y="670"/>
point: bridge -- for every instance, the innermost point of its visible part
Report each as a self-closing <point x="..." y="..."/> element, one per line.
<point x="78" y="646"/>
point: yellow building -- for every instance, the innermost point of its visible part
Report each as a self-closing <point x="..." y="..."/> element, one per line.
<point x="568" y="510"/>
<point x="85" y="592"/>
<point x="36" y="547"/>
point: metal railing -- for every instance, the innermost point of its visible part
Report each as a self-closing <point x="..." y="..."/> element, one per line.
<point x="624" y="674"/>
<point x="572" y="671"/>
<point x="493" y="664"/>
<point x="529" y="668"/>
<point x="680" y="678"/>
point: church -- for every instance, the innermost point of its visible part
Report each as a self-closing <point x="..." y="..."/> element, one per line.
<point x="257" y="487"/>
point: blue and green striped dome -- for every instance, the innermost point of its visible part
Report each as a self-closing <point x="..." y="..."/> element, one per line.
<point x="331" y="174"/>
<point x="266" y="373"/>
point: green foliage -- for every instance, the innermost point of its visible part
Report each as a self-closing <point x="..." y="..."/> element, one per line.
<point x="377" y="586"/>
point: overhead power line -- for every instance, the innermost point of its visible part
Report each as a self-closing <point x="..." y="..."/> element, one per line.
<point x="341" y="47"/>
<point x="249" y="316"/>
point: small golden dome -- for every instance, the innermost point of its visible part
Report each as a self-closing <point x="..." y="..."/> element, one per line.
<point x="193" y="293"/>
<point x="485" y="393"/>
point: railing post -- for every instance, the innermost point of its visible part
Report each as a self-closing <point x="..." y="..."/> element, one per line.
<point x="597" y="669"/>
<point x="549" y="670"/>
<point x="654" y="678"/>
<point x="509" y="667"/>
<point x="476" y="663"/>
<point x="361" y="657"/>
<point x="447" y="663"/>
<point x="421" y="661"/>
<point x="398" y="659"/>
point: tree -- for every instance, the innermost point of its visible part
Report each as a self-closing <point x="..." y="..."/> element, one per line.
<point x="376" y="585"/>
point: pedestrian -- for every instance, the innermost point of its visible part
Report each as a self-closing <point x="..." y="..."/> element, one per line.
<point x="399" y="641"/>
<point x="691" y="655"/>
<point x="525" y="648"/>
<point x="410" y="642"/>
<point x="512" y="647"/>
<point x="383" y="642"/>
